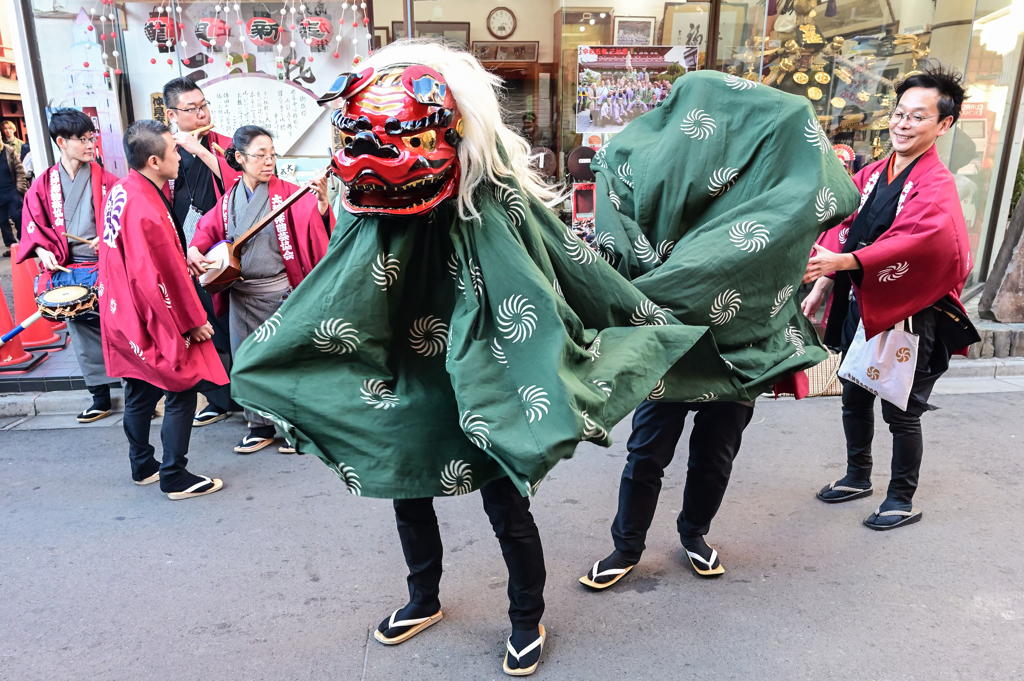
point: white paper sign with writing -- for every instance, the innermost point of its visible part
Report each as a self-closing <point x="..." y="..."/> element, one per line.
<point x="285" y="109"/>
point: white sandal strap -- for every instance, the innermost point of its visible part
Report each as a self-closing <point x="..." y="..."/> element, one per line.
<point x="205" y="481"/>
<point x="87" y="412"/>
<point x="524" y="651"/>
<point x="404" y="623"/>
<point x="844" y="488"/>
<point x="881" y="514"/>
<point x="697" y="556"/>
<point x="609" y="572"/>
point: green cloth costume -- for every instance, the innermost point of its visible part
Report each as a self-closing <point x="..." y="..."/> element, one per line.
<point x="428" y="356"/>
<point x="710" y="205"/>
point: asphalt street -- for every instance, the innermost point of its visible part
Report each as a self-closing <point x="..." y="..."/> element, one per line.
<point x="283" y="575"/>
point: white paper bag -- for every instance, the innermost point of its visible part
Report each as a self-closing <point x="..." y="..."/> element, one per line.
<point x="884" y="365"/>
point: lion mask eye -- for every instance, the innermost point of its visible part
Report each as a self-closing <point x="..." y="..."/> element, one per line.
<point x="425" y="142"/>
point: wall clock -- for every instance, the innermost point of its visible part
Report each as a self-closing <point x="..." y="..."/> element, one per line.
<point x="501" y="22"/>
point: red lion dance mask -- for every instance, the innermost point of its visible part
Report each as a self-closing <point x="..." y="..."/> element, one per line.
<point x="400" y="131"/>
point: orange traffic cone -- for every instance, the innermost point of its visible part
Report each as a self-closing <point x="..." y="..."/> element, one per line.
<point x="37" y="335"/>
<point x="13" y="356"/>
<point x="33" y="268"/>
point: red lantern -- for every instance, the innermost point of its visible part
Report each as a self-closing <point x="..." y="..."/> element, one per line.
<point x="212" y="32"/>
<point x="317" y="30"/>
<point x="263" y="30"/>
<point x="161" y="31"/>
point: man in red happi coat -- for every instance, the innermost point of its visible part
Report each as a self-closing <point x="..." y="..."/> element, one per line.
<point x="155" y="331"/>
<point x="203" y="176"/>
<point x="68" y="198"/>
<point x="903" y="255"/>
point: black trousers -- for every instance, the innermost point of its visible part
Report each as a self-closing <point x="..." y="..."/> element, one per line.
<point x="140" y="400"/>
<point x="218" y="396"/>
<point x="905" y="426"/>
<point x="657" y="426"/>
<point x="10" y="208"/>
<point x="509" y="513"/>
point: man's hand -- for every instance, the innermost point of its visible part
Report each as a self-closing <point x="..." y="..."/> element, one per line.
<point x="47" y="259"/>
<point x="188" y="142"/>
<point x="197" y="261"/>
<point x="95" y="244"/>
<point x="201" y="333"/>
<point x="320" y="189"/>
<point x="816" y="297"/>
<point x="825" y="262"/>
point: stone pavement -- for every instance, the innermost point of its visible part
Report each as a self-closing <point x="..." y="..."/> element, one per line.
<point x="282" y="575"/>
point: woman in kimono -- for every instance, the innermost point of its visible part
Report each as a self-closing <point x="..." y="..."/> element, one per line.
<point x="275" y="261"/>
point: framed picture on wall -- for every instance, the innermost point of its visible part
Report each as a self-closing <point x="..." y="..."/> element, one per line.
<point x="686" y="24"/>
<point x="506" y="50"/>
<point x="381" y="37"/>
<point x="634" y="30"/>
<point x="451" y="31"/>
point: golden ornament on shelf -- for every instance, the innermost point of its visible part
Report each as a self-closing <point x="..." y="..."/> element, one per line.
<point x="838" y="102"/>
<point x="813" y="93"/>
<point x="863" y="96"/>
<point x="811" y="35"/>
<point x="822" y="77"/>
<point x="801" y="78"/>
<point x="834" y="48"/>
<point x="750" y="75"/>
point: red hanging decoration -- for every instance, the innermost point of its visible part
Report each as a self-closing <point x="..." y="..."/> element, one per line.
<point x="263" y="30"/>
<point x="161" y="31"/>
<point x="212" y="32"/>
<point x="317" y="31"/>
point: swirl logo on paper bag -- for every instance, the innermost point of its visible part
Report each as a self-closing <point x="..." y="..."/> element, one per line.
<point x="903" y="355"/>
<point x="873" y="373"/>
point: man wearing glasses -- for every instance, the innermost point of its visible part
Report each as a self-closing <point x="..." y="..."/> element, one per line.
<point x="202" y="176"/>
<point x="64" y="200"/>
<point x="903" y="256"/>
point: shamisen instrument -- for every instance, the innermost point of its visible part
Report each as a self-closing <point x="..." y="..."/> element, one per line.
<point x="226" y="268"/>
<point x="59" y="304"/>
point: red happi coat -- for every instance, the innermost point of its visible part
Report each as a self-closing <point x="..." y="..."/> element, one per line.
<point x="228" y="175"/>
<point x="42" y="219"/>
<point x="923" y="257"/>
<point x="147" y="299"/>
<point x="301" y="234"/>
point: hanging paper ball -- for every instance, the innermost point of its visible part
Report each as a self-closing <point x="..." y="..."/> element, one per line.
<point x="103" y="36"/>
<point x="212" y="32"/>
<point x="245" y="55"/>
<point x="236" y="7"/>
<point x="216" y="8"/>
<point x="106" y="74"/>
<point x="366" y="21"/>
<point x="185" y="61"/>
<point x="178" y="9"/>
<point x="293" y="62"/>
<point x="228" y="63"/>
<point x="86" y="65"/>
<point x="291" y="44"/>
<point x="362" y="5"/>
<point x="356" y="60"/>
<point x="90" y="27"/>
<point x="181" y="26"/>
<point x="160" y="31"/>
<point x="355" y="41"/>
<point x="153" y="60"/>
<point x="336" y="55"/>
<point x="239" y="22"/>
<point x="291" y="27"/>
<point x="160" y="9"/>
<point x="282" y="11"/>
<point x="117" y="72"/>
<point x="355" y="24"/>
<point x="263" y="30"/>
<point x="310" y="59"/>
<point x="116" y="53"/>
<point x="170" y="62"/>
<point x="316" y="31"/>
